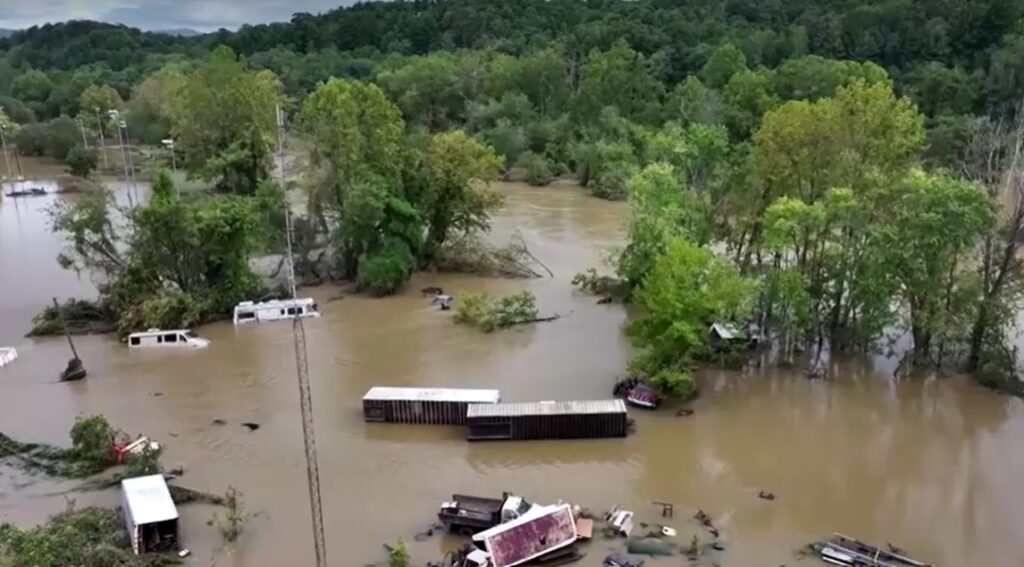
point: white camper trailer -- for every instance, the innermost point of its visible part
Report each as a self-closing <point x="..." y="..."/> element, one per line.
<point x="276" y="310"/>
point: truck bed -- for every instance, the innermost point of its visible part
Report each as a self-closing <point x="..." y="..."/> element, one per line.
<point x="473" y="509"/>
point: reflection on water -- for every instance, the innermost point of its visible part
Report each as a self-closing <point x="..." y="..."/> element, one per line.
<point x="931" y="465"/>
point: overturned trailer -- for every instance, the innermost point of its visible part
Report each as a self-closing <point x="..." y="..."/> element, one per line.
<point x="547" y="420"/>
<point x="536" y="534"/>
<point x="433" y="406"/>
<point x="150" y="517"/>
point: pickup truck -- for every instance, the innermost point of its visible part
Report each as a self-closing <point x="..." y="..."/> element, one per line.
<point x="467" y="515"/>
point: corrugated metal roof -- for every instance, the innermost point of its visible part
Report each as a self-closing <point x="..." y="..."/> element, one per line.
<point x="547" y="408"/>
<point x="149" y="499"/>
<point x="469" y="395"/>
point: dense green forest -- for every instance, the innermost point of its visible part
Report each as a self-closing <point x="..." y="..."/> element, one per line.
<point x="829" y="170"/>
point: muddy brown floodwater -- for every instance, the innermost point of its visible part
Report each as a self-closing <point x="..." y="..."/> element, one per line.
<point x="932" y="465"/>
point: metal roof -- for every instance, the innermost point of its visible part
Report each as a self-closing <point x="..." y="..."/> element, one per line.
<point x="149" y="499"/>
<point x="468" y="395"/>
<point x="727" y="331"/>
<point x="547" y="408"/>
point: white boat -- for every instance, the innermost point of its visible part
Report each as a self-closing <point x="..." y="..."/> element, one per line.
<point x="157" y="338"/>
<point x="275" y="310"/>
<point x="7" y="355"/>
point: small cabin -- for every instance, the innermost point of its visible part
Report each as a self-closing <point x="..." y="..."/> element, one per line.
<point x="178" y="338"/>
<point x="275" y="310"/>
<point x="149" y="514"/>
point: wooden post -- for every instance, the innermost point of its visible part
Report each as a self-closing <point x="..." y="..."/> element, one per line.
<point x="667" y="509"/>
<point x="67" y="334"/>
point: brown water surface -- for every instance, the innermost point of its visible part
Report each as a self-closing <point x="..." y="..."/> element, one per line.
<point x="932" y="465"/>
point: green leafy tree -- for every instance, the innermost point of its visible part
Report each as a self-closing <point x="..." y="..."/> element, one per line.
<point x="542" y="76"/>
<point x="224" y="119"/>
<point x="662" y="208"/>
<point x="619" y="78"/>
<point x="31" y="139"/>
<point x="456" y="198"/>
<point x="356" y="135"/>
<point x="812" y="77"/>
<point x="692" y="101"/>
<point x="747" y="97"/>
<point x="724" y="62"/>
<point x="150" y="110"/>
<point x="61" y="135"/>
<point x="507" y="139"/>
<point x="931" y="224"/>
<point x="32" y="86"/>
<point x="81" y="161"/>
<point x="804" y="149"/>
<point x="688" y="289"/>
<point x="100" y="98"/>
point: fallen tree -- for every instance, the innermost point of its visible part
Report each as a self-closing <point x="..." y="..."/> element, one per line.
<point x="489" y="313"/>
<point x="471" y="254"/>
<point x="83" y="537"/>
<point x="83" y="317"/>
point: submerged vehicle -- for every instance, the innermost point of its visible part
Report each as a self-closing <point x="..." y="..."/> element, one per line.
<point x="180" y="338"/>
<point x="275" y="310"/>
<point x="849" y="552"/>
<point x="467" y="515"/>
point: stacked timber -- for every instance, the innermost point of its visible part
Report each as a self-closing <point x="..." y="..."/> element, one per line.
<point x="547" y="420"/>
<point x="432" y="406"/>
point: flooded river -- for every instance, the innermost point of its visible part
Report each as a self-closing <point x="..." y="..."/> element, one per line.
<point x="932" y="465"/>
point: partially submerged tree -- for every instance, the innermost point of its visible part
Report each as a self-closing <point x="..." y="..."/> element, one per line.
<point x="489" y="313"/>
<point x="688" y="289"/>
<point x="172" y="264"/>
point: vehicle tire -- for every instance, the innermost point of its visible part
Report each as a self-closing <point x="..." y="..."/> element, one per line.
<point x="465" y="531"/>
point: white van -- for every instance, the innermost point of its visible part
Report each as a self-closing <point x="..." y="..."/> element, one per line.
<point x="249" y="312"/>
<point x="181" y="338"/>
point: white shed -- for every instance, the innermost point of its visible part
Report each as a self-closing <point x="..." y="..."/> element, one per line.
<point x="149" y="514"/>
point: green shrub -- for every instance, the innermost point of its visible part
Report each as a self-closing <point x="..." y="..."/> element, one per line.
<point x="610" y="183"/>
<point x="675" y="383"/>
<point x="81" y="161"/>
<point x="91" y="441"/>
<point x="399" y="556"/>
<point x="233" y="521"/>
<point x="488" y="313"/>
<point x="538" y="169"/>
<point x="384" y="272"/>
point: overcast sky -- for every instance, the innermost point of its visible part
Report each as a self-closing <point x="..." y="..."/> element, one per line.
<point x="202" y="15"/>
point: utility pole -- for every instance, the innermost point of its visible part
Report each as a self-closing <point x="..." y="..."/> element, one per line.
<point x="3" y="141"/>
<point x="81" y="126"/>
<point x="103" y="143"/>
<point x="124" y="159"/>
<point x="131" y="166"/>
<point x="302" y="369"/>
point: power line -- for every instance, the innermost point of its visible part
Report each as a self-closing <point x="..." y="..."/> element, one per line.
<point x="302" y="369"/>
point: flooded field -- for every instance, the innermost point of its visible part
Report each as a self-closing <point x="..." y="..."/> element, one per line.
<point x="931" y="465"/>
